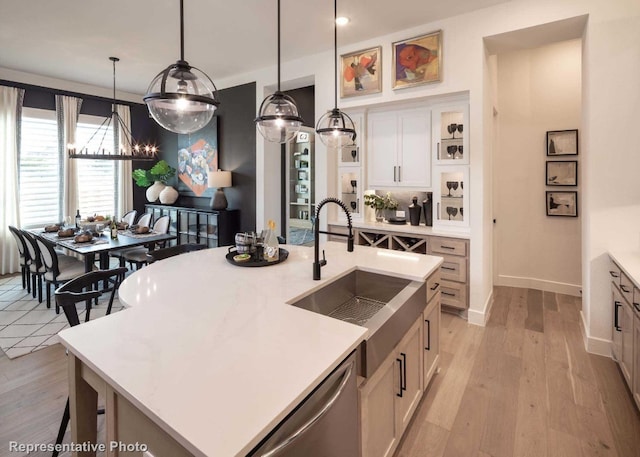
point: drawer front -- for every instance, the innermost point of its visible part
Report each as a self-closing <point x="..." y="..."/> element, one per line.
<point x="614" y="273"/>
<point x="433" y="285"/>
<point x="626" y="286"/>
<point x="453" y="294"/>
<point x="454" y="269"/>
<point x="449" y="246"/>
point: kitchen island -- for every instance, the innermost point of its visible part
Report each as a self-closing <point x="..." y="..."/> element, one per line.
<point x="211" y="353"/>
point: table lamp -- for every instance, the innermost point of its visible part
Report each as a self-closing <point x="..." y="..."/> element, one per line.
<point x="219" y="180"/>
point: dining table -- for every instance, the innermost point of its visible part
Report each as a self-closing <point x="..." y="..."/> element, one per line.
<point x="102" y="245"/>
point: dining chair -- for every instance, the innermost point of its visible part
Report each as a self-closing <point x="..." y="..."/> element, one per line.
<point x="138" y="256"/>
<point x="144" y="220"/>
<point x="165" y="253"/>
<point x="36" y="269"/>
<point x="83" y="288"/>
<point x="58" y="269"/>
<point x="129" y="217"/>
<point x="25" y="259"/>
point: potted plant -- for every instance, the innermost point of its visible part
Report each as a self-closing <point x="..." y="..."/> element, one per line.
<point x="156" y="180"/>
<point x="380" y="203"/>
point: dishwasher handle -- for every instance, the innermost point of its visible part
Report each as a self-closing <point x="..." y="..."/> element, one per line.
<point x="306" y="426"/>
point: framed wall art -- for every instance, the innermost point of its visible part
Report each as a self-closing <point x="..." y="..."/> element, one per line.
<point x="361" y="72"/>
<point x="562" y="143"/>
<point x="417" y="60"/>
<point x="197" y="155"/>
<point x="562" y="204"/>
<point x="562" y="173"/>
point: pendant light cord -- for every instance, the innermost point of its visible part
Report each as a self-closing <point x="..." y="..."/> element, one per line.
<point x="182" y="30"/>
<point x="335" y="53"/>
<point x="278" y="45"/>
<point x="113" y="106"/>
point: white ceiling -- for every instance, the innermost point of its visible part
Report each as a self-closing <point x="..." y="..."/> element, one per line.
<point x="72" y="39"/>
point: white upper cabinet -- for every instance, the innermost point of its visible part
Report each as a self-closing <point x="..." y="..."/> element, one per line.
<point x="398" y="148"/>
<point x="451" y="134"/>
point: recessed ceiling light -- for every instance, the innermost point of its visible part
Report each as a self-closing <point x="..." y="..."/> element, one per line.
<point x="342" y="20"/>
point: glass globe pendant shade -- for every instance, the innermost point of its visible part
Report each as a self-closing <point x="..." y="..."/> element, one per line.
<point x="336" y="129"/>
<point x="182" y="98"/>
<point x="278" y="120"/>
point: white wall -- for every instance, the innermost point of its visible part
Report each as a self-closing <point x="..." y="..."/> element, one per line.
<point x="537" y="90"/>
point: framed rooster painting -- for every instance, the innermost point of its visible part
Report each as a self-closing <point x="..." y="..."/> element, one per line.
<point x="417" y="60"/>
<point x="361" y="72"/>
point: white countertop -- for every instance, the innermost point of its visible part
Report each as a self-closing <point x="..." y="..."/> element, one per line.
<point x="629" y="261"/>
<point x="212" y="352"/>
<point x="406" y="228"/>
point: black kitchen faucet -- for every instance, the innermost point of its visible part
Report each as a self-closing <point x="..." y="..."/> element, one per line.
<point x="317" y="263"/>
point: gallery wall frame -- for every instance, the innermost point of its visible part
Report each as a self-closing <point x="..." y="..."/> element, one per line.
<point x="562" y="173"/>
<point x="562" y="203"/>
<point x="562" y="143"/>
<point x="361" y="72"/>
<point x="417" y="60"/>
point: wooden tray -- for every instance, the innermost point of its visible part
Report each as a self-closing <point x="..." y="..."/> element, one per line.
<point x="282" y="256"/>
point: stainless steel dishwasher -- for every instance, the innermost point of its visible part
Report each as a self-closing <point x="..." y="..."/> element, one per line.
<point x="324" y="424"/>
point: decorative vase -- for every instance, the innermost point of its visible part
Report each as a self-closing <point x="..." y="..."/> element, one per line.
<point x="427" y="205"/>
<point x="168" y="196"/>
<point x="153" y="192"/>
<point x="379" y="216"/>
<point x="414" y="212"/>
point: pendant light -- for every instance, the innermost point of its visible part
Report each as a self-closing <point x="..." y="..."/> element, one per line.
<point x="182" y="98"/>
<point x="278" y="120"/>
<point x="335" y="128"/>
<point x="129" y="148"/>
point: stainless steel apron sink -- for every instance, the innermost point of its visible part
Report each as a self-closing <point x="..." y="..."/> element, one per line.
<point x="384" y="304"/>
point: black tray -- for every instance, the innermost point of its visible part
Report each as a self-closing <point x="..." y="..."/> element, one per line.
<point x="282" y="256"/>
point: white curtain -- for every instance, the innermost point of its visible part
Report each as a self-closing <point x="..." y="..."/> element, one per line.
<point x="68" y="110"/>
<point x="125" y="182"/>
<point x="10" y="115"/>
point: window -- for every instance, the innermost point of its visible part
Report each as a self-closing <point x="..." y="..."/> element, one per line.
<point x="96" y="178"/>
<point x="40" y="170"/>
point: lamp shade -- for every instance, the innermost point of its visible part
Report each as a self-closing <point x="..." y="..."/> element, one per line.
<point x="182" y="98"/>
<point x="278" y="120"/>
<point x="336" y="129"/>
<point x="219" y="179"/>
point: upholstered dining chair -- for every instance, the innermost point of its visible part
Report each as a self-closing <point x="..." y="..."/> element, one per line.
<point x="138" y="256"/>
<point x="59" y="269"/>
<point x="129" y="217"/>
<point x="36" y="269"/>
<point x="83" y="289"/>
<point x="25" y="259"/>
<point x="165" y="253"/>
<point x="144" y="220"/>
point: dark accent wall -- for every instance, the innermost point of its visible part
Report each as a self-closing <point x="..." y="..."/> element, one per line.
<point x="237" y="149"/>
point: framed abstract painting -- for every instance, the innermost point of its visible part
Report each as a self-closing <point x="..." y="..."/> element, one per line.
<point x="417" y="60"/>
<point x="361" y="72"/>
<point x="197" y="155"/>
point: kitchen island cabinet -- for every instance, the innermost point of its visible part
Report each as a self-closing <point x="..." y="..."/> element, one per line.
<point x="203" y="351"/>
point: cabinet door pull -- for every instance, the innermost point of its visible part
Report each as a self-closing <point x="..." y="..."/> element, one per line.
<point x="428" y="346"/>
<point x="624" y="288"/>
<point x="404" y="371"/>
<point x="613" y="274"/>
<point x="448" y="294"/>
<point x="399" y="173"/>
<point x="435" y="286"/>
<point x="637" y="306"/>
<point x="400" y="371"/>
<point x="394" y="173"/>
<point x="616" y="324"/>
<point x="442" y="246"/>
<point x="448" y="268"/>
<point x="438" y="150"/>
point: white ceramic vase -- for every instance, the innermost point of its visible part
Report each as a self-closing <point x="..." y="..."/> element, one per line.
<point x="153" y="192"/>
<point x="168" y="196"/>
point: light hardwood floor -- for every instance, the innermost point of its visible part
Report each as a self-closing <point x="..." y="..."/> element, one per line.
<point x="522" y="386"/>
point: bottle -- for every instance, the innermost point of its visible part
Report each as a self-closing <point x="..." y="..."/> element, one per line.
<point x="270" y="244"/>
<point x="78" y="219"/>
<point x="427" y="205"/>
<point x="114" y="229"/>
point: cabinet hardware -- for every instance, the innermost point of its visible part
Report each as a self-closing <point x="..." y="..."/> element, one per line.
<point x="614" y="274"/>
<point x="637" y="306"/>
<point x="448" y="294"/>
<point x="615" y="316"/>
<point x="394" y="173"/>
<point x="399" y="173"/>
<point x="442" y="246"/>
<point x="400" y="371"/>
<point x="403" y="385"/>
<point x="624" y="288"/>
<point x="435" y="286"/>
<point x="448" y="268"/>
<point x="428" y="346"/>
<point x="438" y="150"/>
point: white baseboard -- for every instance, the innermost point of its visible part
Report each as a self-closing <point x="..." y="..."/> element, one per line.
<point x="481" y="317"/>
<point x="540" y="284"/>
<point x="592" y="344"/>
